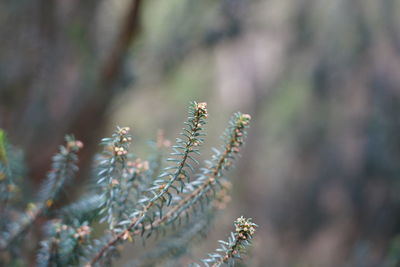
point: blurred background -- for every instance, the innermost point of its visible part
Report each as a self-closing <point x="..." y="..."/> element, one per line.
<point x="321" y="169"/>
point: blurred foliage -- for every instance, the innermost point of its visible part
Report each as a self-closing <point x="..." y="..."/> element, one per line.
<point x="3" y="153"/>
<point x="320" y="78"/>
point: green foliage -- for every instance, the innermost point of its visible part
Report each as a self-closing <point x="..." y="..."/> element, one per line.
<point x="132" y="198"/>
<point x="11" y="170"/>
<point x="64" y="243"/>
<point x="230" y="251"/>
<point x="63" y="169"/>
<point x="112" y="176"/>
<point x="3" y="154"/>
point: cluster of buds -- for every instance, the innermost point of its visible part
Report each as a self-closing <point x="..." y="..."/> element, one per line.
<point x="82" y="232"/>
<point x="74" y="145"/>
<point x="59" y="226"/>
<point x="120" y="151"/>
<point x="138" y="166"/>
<point x="244" y="227"/>
<point x="123" y="131"/>
<point x="122" y="140"/>
<point x="141" y="166"/>
<point x="243" y="120"/>
<point x="201" y="109"/>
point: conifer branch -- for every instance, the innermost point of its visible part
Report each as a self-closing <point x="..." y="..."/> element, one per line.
<point x="234" y="134"/>
<point x="110" y="172"/>
<point x="160" y="188"/>
<point x="11" y="170"/>
<point x="85" y="209"/>
<point x="63" y="169"/>
<point x="237" y="243"/>
<point x="183" y="149"/>
<point x="64" y="244"/>
<point x="175" y="245"/>
<point x="197" y="228"/>
<point x="130" y="196"/>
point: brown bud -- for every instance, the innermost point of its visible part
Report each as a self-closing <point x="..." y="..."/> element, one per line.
<point x="226" y="258"/>
<point x="79" y="144"/>
<point x="202" y="106"/>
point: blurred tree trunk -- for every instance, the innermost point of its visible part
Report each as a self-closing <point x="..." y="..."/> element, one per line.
<point x="52" y="78"/>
